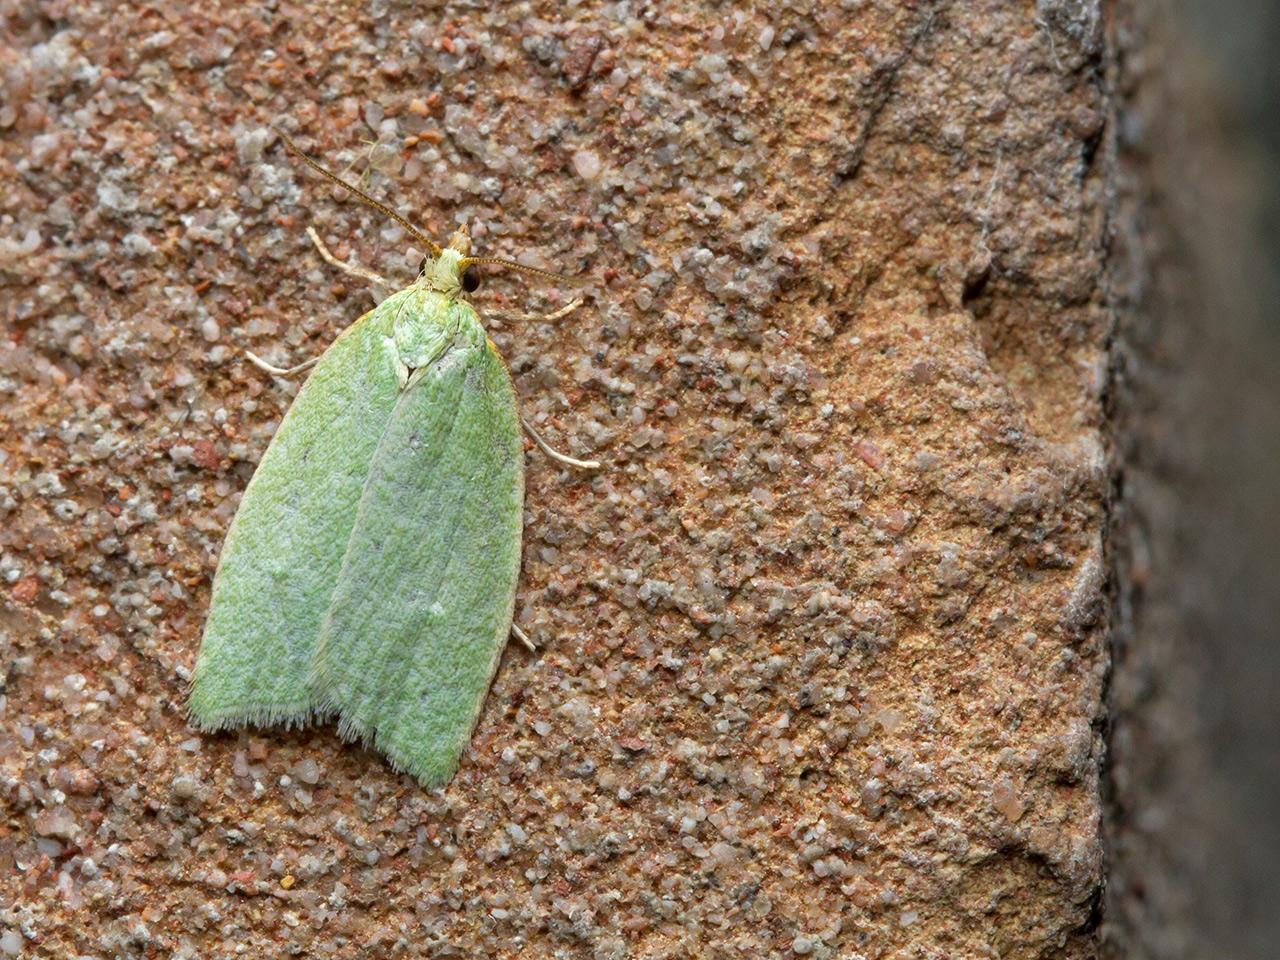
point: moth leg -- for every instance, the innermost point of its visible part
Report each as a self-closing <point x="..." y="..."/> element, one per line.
<point x="352" y="268"/>
<point x="554" y="454"/>
<point x="564" y="311"/>
<point x="261" y="364"/>
<point x="523" y="638"/>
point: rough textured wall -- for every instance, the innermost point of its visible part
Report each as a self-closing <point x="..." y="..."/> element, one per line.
<point x="823" y="646"/>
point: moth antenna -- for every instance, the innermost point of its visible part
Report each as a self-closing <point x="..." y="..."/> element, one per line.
<point x="500" y="262"/>
<point x="357" y="192"/>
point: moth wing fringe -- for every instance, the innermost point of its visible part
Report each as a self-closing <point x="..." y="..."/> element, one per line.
<point x="253" y="715"/>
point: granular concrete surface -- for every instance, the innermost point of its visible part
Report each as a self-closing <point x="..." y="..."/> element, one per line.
<point x="822" y="648"/>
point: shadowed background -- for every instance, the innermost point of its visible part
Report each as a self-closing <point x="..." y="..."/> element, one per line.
<point x="1196" y="773"/>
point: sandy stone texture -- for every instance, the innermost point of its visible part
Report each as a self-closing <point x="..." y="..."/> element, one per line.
<point x="823" y="647"/>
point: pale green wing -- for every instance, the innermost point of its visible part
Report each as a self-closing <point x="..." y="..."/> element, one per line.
<point x="284" y="549"/>
<point x="423" y="606"/>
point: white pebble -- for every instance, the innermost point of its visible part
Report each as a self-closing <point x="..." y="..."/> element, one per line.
<point x="587" y="164"/>
<point x="136" y="245"/>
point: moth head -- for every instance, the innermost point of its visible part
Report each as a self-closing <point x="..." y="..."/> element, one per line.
<point x="447" y="269"/>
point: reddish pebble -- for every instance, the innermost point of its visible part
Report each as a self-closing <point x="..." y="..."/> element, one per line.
<point x="205" y="455"/>
<point x="869" y="454"/>
<point x="26" y="590"/>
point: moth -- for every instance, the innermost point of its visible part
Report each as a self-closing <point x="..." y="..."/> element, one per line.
<point x="369" y="574"/>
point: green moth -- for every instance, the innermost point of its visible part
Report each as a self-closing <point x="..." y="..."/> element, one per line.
<point x="370" y="571"/>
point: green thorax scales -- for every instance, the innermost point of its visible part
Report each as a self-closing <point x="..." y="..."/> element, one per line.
<point x="427" y="322"/>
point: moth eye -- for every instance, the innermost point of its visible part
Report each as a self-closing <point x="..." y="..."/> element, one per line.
<point x="470" y="280"/>
<point x="422" y="266"/>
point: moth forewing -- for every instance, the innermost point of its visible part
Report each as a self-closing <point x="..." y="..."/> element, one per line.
<point x="424" y="601"/>
<point x="283" y="550"/>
